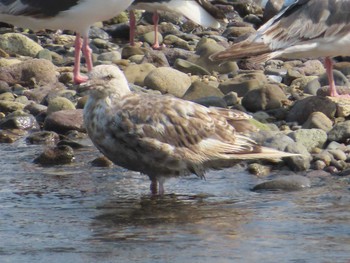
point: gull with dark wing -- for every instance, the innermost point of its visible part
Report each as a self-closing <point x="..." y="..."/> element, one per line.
<point x="305" y="29"/>
<point x="201" y="12"/>
<point x="162" y="136"/>
<point x="75" y="15"/>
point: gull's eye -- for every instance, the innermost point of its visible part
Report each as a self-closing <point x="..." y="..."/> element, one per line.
<point x="108" y="77"/>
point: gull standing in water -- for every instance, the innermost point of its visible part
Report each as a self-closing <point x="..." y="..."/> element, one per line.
<point x="162" y="136"/>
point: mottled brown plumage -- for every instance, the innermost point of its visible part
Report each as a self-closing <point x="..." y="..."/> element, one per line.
<point x="162" y="136"/>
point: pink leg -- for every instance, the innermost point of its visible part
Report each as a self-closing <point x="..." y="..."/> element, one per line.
<point x="161" y="186"/>
<point x="132" y="23"/>
<point x="329" y="69"/>
<point x="87" y="53"/>
<point x="78" y="78"/>
<point x="155" y="22"/>
<point x="332" y="88"/>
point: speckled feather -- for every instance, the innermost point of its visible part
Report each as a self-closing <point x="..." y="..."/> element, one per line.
<point x="307" y="28"/>
<point x="162" y="136"/>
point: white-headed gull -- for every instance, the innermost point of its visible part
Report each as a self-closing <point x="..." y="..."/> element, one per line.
<point x="163" y="136"/>
<point x="75" y="15"/>
<point x="305" y="29"/>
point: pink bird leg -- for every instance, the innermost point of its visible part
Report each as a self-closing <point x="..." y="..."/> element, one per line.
<point x="78" y="78"/>
<point x="155" y="23"/>
<point x="332" y="88"/>
<point x="132" y="23"/>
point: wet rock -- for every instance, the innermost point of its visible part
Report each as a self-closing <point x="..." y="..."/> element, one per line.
<point x="238" y="31"/>
<point x="35" y="71"/>
<point x="112" y="56"/>
<point x="310" y="138"/>
<point x="175" y="41"/>
<point x="64" y="121"/>
<point x="259" y="169"/>
<point x="129" y="51"/>
<point x="58" y="104"/>
<point x="199" y="89"/>
<point x="43" y="137"/>
<point x="298" y="163"/>
<point x="149" y="37"/>
<point x="10" y="136"/>
<point x="101" y="162"/>
<point x="40" y="94"/>
<point x="10" y="106"/>
<point x="343" y="106"/>
<point x="17" y="43"/>
<point x="137" y="73"/>
<point x="35" y="108"/>
<point x="56" y="156"/>
<point x="155" y="57"/>
<point x="272" y="7"/>
<point x="7" y="96"/>
<point x="162" y="79"/>
<point x="266" y="98"/>
<point x="19" y="120"/>
<point x="211" y="102"/>
<point x="188" y="67"/>
<point x="302" y="109"/>
<point x="340" y="132"/>
<point x="243" y="83"/>
<point x="204" y="49"/>
<point x="70" y="143"/>
<point x="318" y="120"/>
<point x="285" y="183"/>
<point x="231" y="98"/>
<point x="339" y="79"/>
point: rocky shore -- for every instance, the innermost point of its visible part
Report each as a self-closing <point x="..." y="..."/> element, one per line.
<point x="287" y="99"/>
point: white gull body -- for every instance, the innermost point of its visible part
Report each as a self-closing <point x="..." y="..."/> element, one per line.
<point x="75" y="15"/>
<point x="305" y="29"/>
<point x="163" y="136"/>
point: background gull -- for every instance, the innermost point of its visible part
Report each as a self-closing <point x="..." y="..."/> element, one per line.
<point x="75" y="15"/>
<point x="306" y="28"/>
<point x="163" y="136"/>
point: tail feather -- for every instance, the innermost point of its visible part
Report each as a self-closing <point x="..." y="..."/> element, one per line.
<point x="265" y="153"/>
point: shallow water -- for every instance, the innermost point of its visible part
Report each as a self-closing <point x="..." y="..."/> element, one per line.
<point x="79" y="213"/>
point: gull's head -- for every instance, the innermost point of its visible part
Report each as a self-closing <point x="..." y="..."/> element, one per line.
<point x="107" y="80"/>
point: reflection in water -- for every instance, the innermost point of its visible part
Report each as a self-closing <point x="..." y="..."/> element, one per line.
<point x="76" y="213"/>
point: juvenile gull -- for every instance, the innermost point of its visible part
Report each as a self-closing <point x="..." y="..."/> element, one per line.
<point x="163" y="136"/>
<point x="75" y="15"/>
<point x="201" y="12"/>
<point x="306" y="28"/>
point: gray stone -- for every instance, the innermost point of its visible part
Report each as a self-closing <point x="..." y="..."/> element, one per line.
<point x="137" y="73"/>
<point x="340" y="132"/>
<point x="32" y="72"/>
<point x="269" y="97"/>
<point x="310" y="138"/>
<point x="168" y="80"/>
<point x="19" y="120"/>
<point x="56" y="156"/>
<point x="318" y="120"/>
<point x="189" y="67"/>
<point x="16" y="43"/>
<point x="285" y="183"/>
<point x="302" y="109"/>
<point x="199" y="89"/>
<point x="59" y="103"/>
<point x="64" y="121"/>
